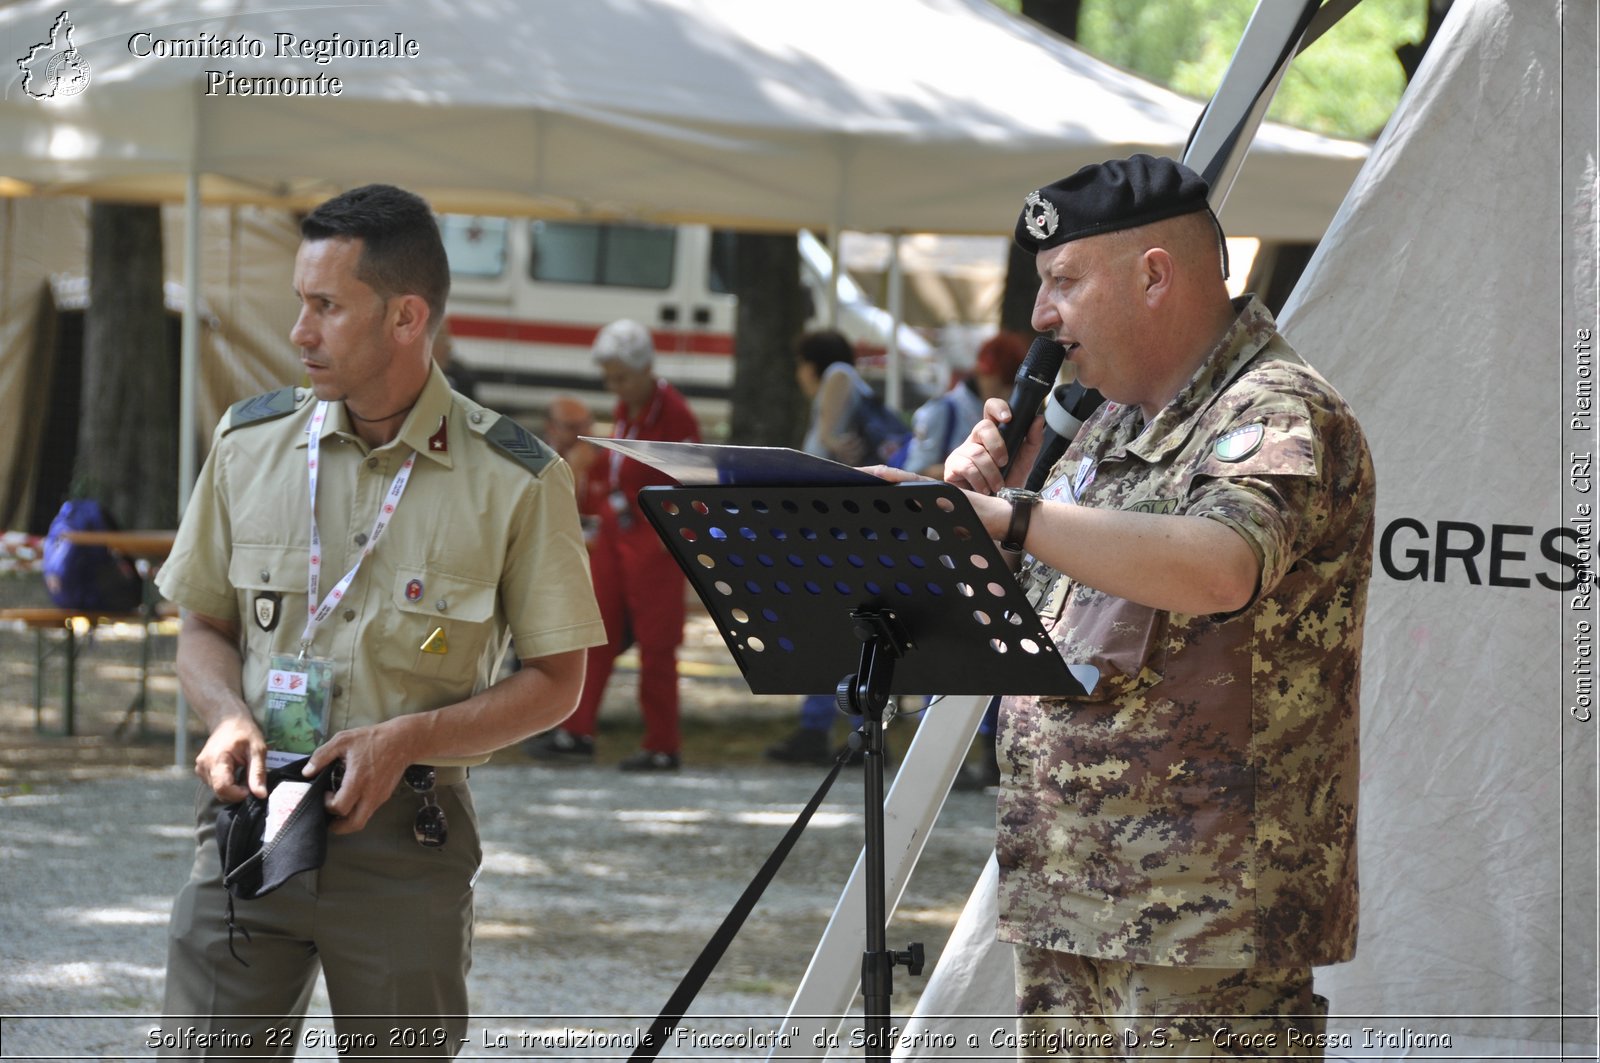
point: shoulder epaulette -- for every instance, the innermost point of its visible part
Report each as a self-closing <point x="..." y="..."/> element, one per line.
<point x="267" y="407"/>
<point x="520" y="445"/>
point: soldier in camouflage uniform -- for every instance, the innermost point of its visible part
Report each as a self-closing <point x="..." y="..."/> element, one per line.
<point x="479" y="548"/>
<point x="1177" y="849"/>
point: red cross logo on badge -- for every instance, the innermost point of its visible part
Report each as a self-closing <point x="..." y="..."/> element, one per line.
<point x="414" y="591"/>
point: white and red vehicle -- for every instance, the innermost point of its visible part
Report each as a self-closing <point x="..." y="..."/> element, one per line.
<point x="527" y="298"/>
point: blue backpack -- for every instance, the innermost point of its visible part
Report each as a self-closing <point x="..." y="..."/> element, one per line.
<point x="881" y="429"/>
<point x="87" y="577"/>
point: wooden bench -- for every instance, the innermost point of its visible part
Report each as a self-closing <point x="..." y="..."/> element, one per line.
<point x="44" y="619"/>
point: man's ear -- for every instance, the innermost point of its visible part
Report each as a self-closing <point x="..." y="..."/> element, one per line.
<point x="408" y="316"/>
<point x="1157" y="274"/>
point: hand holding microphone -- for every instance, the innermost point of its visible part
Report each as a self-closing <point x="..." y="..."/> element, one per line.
<point x="1034" y="381"/>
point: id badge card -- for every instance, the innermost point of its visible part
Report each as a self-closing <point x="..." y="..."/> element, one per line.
<point x="297" y="706"/>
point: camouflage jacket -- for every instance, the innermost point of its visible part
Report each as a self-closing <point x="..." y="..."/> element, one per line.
<point x="1199" y="807"/>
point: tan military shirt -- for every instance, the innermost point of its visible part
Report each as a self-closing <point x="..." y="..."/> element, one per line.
<point x="484" y="548"/>
<point x="1199" y="808"/>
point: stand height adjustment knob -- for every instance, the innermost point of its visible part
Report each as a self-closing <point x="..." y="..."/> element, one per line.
<point x="912" y="959"/>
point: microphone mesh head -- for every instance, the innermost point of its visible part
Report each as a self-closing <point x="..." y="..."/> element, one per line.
<point x="1043" y="361"/>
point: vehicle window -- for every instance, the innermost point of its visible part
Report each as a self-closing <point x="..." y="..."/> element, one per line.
<point x="476" y="246"/>
<point x="617" y="255"/>
<point x="720" y="271"/>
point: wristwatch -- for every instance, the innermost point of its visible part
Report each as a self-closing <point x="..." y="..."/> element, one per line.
<point x="1022" y="503"/>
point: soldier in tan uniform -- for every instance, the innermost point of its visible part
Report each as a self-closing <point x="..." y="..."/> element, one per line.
<point x="401" y="538"/>
<point x="1178" y="849"/>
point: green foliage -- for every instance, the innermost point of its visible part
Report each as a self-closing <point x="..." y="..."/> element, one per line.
<point x="1346" y="84"/>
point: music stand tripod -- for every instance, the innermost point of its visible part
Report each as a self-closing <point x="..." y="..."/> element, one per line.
<point x="863" y="590"/>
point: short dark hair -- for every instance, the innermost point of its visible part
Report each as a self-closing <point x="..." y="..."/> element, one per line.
<point x="823" y="347"/>
<point x="401" y="250"/>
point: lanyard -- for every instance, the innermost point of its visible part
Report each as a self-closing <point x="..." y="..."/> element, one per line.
<point x="651" y="413"/>
<point x="316" y="614"/>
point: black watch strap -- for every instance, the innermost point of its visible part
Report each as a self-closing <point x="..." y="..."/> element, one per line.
<point x="1022" y="503"/>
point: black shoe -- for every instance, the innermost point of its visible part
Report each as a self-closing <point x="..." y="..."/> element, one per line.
<point x="802" y="747"/>
<point x="646" y="760"/>
<point x="560" y="746"/>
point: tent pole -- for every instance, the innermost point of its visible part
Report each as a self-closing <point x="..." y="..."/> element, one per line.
<point x="1222" y="136"/>
<point x="833" y="276"/>
<point x="894" y="385"/>
<point x="188" y="390"/>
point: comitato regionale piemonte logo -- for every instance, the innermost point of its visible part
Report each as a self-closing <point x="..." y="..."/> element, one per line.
<point x="55" y="67"/>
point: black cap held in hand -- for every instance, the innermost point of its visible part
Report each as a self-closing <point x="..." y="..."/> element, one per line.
<point x="1106" y="197"/>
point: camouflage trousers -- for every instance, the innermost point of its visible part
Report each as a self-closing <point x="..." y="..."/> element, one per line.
<point x="1077" y="1007"/>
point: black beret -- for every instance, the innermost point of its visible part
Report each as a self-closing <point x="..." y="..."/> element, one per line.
<point x="1106" y="197"/>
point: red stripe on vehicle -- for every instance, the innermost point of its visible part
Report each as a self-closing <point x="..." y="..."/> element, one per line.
<point x="509" y="330"/>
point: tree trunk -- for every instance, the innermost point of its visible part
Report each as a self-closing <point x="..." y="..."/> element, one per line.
<point x="1022" y="278"/>
<point x="768" y="409"/>
<point x="1058" y="16"/>
<point x="128" y="435"/>
<point x="1021" y="289"/>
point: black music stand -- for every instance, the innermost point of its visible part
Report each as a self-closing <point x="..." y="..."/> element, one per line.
<point x="864" y="590"/>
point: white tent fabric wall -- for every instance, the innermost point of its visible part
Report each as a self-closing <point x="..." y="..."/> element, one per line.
<point x="37" y="238"/>
<point x="1447" y="302"/>
<point x="1437" y="305"/>
<point x="247" y="256"/>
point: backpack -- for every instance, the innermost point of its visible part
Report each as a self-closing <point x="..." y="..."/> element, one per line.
<point x="87" y="577"/>
<point x="885" y="435"/>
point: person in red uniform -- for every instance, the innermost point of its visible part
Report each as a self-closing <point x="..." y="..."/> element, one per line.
<point x="638" y="584"/>
<point x="565" y="421"/>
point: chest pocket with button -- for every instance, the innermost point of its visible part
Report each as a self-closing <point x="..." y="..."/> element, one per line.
<point x="271" y="585"/>
<point x="445" y="622"/>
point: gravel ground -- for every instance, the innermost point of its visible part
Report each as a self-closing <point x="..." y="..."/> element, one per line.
<point x="599" y="887"/>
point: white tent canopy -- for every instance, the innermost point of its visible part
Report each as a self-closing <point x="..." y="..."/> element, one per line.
<point x="894" y="115"/>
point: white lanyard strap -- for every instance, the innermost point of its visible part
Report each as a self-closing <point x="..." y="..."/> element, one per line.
<point x="651" y="412"/>
<point x="315" y="613"/>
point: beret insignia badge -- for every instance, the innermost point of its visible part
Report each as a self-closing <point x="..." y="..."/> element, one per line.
<point x="1040" y="215"/>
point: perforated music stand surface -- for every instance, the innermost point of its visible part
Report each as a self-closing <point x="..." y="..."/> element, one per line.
<point x="782" y="568"/>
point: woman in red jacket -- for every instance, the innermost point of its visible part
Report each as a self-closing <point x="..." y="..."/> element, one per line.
<point x="639" y="586"/>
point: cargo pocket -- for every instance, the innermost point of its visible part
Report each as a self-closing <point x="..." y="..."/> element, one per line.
<point x="445" y="621"/>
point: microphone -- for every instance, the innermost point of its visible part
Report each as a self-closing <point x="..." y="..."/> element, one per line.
<point x="1034" y="380"/>
<point x="1070" y="405"/>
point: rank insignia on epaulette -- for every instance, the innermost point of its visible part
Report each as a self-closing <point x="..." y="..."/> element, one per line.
<point x="267" y="407"/>
<point x="520" y="445"/>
